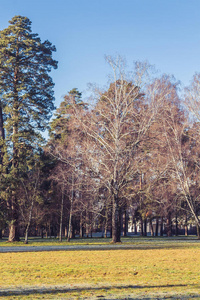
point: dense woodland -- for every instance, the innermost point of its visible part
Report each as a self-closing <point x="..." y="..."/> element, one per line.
<point x="130" y="152"/>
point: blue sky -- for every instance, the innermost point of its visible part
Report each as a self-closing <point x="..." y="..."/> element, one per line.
<point x="164" y="32"/>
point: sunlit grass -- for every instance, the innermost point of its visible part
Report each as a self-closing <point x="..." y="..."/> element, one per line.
<point x="134" y="240"/>
<point x="55" y="242"/>
<point x="111" y="273"/>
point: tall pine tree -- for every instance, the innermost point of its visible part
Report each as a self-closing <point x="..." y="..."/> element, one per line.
<point x="27" y="96"/>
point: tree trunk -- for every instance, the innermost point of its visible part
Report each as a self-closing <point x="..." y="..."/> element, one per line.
<point x="91" y="230"/>
<point x="42" y="233"/>
<point x="157" y="223"/>
<point x="13" y="233"/>
<point x="49" y="231"/>
<point x="116" y="213"/>
<point x="111" y="230"/>
<point x="198" y="231"/>
<point x="176" y="228"/>
<point x="70" y="213"/>
<point x="65" y="231"/>
<point x="161" y="227"/>
<point x="151" y="226"/>
<point x="106" y="224"/>
<point x="106" y="230"/>
<point x="186" y="230"/>
<point x="13" y="208"/>
<point x="29" y="222"/>
<point x="72" y="236"/>
<point x="81" y="226"/>
<point x="116" y="221"/>
<point x="61" y="214"/>
<point x="135" y="227"/>
<point x="13" y="227"/>
<point x="186" y="226"/>
<point x="124" y="223"/>
<point x="55" y="231"/>
<point x="87" y="223"/>
<point x="145" y="227"/>
<point x="103" y="228"/>
<point x="70" y="226"/>
<point x="46" y="230"/>
<point x="142" y="227"/>
<point x="2" y="138"/>
<point x="26" y="235"/>
<point x="2" y="134"/>
<point x="169" y="229"/>
<point x="110" y="221"/>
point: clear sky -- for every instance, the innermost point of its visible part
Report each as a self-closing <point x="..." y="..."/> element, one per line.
<point x="164" y="32"/>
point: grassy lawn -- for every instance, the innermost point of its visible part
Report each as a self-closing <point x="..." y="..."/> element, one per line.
<point x="163" y="272"/>
<point x="134" y="240"/>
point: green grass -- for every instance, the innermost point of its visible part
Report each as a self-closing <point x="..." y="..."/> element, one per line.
<point x="135" y="240"/>
<point x="155" y="268"/>
<point x="55" y="242"/>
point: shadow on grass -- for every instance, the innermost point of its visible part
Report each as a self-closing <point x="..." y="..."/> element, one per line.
<point x="96" y="243"/>
<point x="47" y="248"/>
<point x="67" y="289"/>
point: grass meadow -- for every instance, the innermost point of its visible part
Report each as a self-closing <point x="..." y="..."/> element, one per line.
<point x="154" y="268"/>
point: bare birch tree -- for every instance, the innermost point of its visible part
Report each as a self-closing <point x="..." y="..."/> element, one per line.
<point x="182" y="155"/>
<point x="117" y="127"/>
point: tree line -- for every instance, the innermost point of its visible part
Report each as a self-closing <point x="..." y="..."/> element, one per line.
<point x="130" y="150"/>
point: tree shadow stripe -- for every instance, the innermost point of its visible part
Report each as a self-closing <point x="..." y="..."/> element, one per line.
<point x="58" y="289"/>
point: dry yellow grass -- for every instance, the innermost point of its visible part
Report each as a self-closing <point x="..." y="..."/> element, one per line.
<point x="134" y="271"/>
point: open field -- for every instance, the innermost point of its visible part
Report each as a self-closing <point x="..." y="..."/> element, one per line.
<point x="157" y="269"/>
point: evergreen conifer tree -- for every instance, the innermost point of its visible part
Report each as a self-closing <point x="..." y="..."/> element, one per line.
<point x="60" y="125"/>
<point x="26" y="91"/>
